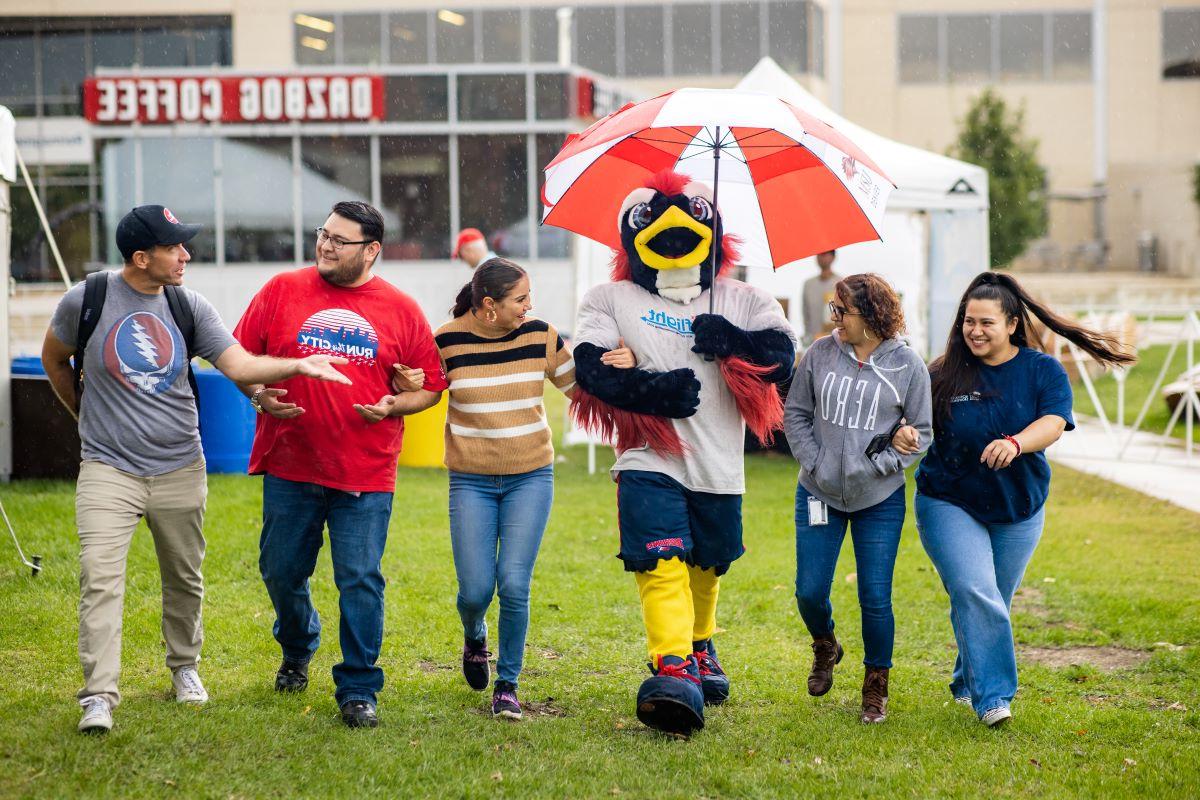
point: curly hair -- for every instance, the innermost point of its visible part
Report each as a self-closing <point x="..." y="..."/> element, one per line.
<point x="875" y="300"/>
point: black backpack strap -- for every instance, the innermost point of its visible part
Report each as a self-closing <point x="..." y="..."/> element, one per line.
<point x="181" y="312"/>
<point x="94" y="291"/>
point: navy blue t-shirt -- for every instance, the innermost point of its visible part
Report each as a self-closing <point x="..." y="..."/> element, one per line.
<point x="1008" y="399"/>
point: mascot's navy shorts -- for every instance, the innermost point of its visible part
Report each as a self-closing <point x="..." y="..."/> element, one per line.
<point x="660" y="518"/>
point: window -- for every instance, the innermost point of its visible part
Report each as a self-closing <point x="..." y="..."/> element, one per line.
<point x="787" y="27"/>
<point x="1181" y="43"/>
<point x="551" y="92"/>
<point x="64" y="66"/>
<point x="415" y="183"/>
<point x="361" y="41"/>
<point x="417" y="98"/>
<point x="116" y="176"/>
<point x="1071" y="54"/>
<point x="552" y="242"/>
<point x="644" y="40"/>
<point x="455" y="36"/>
<point x="165" y="47"/>
<point x="691" y="39"/>
<point x="114" y="46"/>
<point x="969" y="48"/>
<point x="493" y="171"/>
<point x="741" y="39"/>
<point x="918" y="49"/>
<point x="256" y="177"/>
<point x="213" y="46"/>
<point x="409" y="42"/>
<point x="64" y="193"/>
<point x="817" y="27"/>
<point x="596" y="39"/>
<point x="502" y="36"/>
<point x="485" y="97"/>
<point x="332" y="169"/>
<point x="543" y="35"/>
<point x="1022" y="47"/>
<point x="314" y="38"/>
<point x="177" y="172"/>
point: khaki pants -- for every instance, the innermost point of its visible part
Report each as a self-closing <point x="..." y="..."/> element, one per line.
<point x="108" y="505"/>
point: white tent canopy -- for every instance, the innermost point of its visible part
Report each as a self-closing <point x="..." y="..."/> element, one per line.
<point x="935" y="231"/>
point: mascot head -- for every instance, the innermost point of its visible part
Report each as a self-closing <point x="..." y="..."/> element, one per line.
<point x="668" y="231"/>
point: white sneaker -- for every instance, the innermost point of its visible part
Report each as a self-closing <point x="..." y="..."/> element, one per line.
<point x="965" y="700"/>
<point x="188" y="688"/>
<point x="997" y="716"/>
<point x="97" y="716"/>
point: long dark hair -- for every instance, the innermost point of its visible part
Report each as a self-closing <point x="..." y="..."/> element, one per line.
<point x="956" y="371"/>
<point x="494" y="278"/>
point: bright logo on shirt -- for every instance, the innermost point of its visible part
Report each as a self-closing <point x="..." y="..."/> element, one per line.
<point x="664" y="321"/>
<point x="141" y="352"/>
<point x="339" y="332"/>
<point x="665" y="545"/>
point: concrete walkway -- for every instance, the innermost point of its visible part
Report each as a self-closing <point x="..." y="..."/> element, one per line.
<point x="1147" y="465"/>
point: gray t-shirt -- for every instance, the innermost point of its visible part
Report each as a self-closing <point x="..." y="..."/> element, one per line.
<point x="817" y="294"/>
<point x="659" y="331"/>
<point x="138" y="414"/>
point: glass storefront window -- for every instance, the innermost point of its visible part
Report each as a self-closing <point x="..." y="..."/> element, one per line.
<point x="332" y="168"/>
<point x="691" y="39"/>
<point x="1181" y="43"/>
<point x="1022" y="51"/>
<point x="165" y="47"/>
<point x="596" y="39"/>
<point x="417" y="98"/>
<point x="787" y="29"/>
<point x="455" y="37"/>
<point x="644" y="40"/>
<point x="551" y="91"/>
<point x="314" y="39"/>
<point x="552" y="242"/>
<point x="486" y="97"/>
<point x="543" y="35"/>
<point x="64" y="193"/>
<point x="741" y="45"/>
<point x="361" y="39"/>
<point x="1071" y="46"/>
<point x="256" y="178"/>
<point x="817" y="29"/>
<point x="17" y="57"/>
<point x="492" y="190"/>
<point x="114" y="47"/>
<point x="969" y="39"/>
<point x="213" y="46"/>
<point x="415" y="187"/>
<point x="177" y="172"/>
<point x="409" y="42"/>
<point x="64" y="66"/>
<point x="918" y="49"/>
<point x="501" y="36"/>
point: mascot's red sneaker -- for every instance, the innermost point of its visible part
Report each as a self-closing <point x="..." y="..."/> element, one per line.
<point x="671" y="700"/>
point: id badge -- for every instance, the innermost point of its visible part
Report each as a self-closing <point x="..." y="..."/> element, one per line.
<point x="818" y="512"/>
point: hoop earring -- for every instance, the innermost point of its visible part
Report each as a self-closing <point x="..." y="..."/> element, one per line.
<point x="491" y="315"/>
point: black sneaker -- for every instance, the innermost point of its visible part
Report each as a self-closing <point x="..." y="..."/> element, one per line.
<point x="475" y="664"/>
<point x="713" y="680"/>
<point x="504" y="701"/>
<point x="292" y="676"/>
<point x="359" y="714"/>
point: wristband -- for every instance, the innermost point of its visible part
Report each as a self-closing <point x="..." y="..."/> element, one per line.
<point x="1017" y="444"/>
<point x="255" y="403"/>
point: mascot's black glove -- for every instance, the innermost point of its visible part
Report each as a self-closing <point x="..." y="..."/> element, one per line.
<point x="674" y="394"/>
<point x="719" y="337"/>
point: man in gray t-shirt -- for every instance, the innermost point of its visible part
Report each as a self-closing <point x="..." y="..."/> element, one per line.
<point x="141" y="453"/>
<point x="818" y="292"/>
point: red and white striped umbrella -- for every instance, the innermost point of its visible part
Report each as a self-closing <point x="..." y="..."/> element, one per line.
<point x="789" y="185"/>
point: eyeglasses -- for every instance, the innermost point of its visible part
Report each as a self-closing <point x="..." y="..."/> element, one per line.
<point x="837" y="312"/>
<point x="337" y="242"/>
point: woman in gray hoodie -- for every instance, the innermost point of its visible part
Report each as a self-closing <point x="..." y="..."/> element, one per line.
<point x="850" y="393"/>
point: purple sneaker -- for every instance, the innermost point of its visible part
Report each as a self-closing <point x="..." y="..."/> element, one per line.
<point x="475" y="664"/>
<point x="504" y="701"/>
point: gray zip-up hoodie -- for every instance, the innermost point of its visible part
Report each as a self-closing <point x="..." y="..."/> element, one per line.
<point x="837" y="404"/>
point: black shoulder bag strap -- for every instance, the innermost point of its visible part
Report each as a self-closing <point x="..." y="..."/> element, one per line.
<point x="94" y="291"/>
<point x="181" y="312"/>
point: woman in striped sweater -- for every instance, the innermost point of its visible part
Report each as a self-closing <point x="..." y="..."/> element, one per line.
<point x="498" y="450"/>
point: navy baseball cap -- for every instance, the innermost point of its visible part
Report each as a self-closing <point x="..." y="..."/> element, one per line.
<point x="147" y="226"/>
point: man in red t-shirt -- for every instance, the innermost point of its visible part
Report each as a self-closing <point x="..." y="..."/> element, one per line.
<point x="329" y="457"/>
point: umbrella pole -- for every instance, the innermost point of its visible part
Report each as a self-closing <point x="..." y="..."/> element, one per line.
<point x="712" y="274"/>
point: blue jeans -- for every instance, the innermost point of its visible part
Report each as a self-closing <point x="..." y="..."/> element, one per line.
<point x="294" y="517"/>
<point x="496" y="527"/>
<point x="875" y="532"/>
<point x="981" y="566"/>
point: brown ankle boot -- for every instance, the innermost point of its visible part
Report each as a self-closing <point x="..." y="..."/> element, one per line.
<point x="875" y="695"/>
<point x="826" y="653"/>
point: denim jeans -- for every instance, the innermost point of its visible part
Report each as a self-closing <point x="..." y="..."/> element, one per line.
<point x="875" y="532"/>
<point x="496" y="527"/>
<point x="294" y="517"/>
<point x="981" y="566"/>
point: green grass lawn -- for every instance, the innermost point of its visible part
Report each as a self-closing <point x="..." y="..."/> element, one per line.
<point x="1138" y="384"/>
<point x="1115" y="569"/>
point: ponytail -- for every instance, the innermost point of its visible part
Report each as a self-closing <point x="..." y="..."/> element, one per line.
<point x="494" y="278"/>
<point x="956" y="371"/>
<point x="462" y="303"/>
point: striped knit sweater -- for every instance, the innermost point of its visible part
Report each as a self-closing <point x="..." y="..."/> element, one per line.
<point x="496" y="424"/>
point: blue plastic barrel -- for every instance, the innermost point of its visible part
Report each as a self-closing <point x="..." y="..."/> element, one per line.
<point x="226" y="423"/>
<point x="27" y="365"/>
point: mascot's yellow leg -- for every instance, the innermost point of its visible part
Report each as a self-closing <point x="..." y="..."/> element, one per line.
<point x="667" y="609"/>
<point x="705" y="586"/>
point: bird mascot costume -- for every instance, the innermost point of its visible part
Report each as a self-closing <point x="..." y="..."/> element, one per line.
<point x="678" y="424"/>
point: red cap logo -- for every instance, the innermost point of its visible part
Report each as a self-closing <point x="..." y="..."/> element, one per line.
<point x="170" y="217"/>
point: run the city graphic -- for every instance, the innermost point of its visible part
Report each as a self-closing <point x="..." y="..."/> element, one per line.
<point x="339" y="332"/>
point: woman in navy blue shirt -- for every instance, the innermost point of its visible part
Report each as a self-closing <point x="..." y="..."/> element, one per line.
<point x="981" y="490"/>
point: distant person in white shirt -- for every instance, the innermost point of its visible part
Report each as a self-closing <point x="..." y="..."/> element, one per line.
<point x="818" y="292"/>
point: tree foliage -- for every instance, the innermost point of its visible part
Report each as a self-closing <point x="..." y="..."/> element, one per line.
<point x="992" y="136"/>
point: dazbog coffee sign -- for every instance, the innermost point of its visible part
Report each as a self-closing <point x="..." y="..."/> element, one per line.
<point x="152" y="99"/>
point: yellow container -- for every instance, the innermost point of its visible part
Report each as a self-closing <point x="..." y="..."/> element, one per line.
<point x="425" y="437"/>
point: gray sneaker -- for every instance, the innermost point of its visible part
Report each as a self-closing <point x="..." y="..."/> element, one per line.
<point x="996" y="717"/>
<point x="97" y="715"/>
<point x="188" y="688"/>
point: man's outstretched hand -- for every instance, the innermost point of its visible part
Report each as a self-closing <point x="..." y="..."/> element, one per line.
<point x="320" y="367"/>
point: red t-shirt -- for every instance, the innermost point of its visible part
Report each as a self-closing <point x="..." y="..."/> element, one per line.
<point x="297" y="314"/>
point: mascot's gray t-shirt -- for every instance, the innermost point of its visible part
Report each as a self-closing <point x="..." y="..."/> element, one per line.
<point x="659" y="332"/>
<point x="138" y="413"/>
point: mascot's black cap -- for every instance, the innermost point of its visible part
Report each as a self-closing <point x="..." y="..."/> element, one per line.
<point x="147" y="226"/>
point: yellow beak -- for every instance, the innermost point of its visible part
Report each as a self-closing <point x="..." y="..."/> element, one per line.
<point x="674" y="217"/>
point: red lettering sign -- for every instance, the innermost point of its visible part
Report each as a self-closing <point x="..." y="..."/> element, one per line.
<point x="162" y="100"/>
